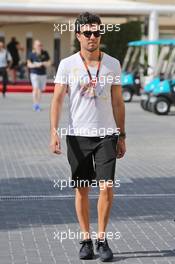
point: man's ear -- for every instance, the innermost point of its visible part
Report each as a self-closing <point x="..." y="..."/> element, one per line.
<point x="78" y="36"/>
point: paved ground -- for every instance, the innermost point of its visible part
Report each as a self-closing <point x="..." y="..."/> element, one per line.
<point x="34" y="210"/>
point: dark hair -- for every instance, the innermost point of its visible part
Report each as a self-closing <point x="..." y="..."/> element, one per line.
<point x="86" y="18"/>
<point x="13" y="39"/>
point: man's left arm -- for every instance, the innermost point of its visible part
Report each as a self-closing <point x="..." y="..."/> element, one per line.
<point x="47" y="62"/>
<point x="119" y="116"/>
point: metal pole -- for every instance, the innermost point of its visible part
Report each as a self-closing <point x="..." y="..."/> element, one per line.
<point x="153" y="34"/>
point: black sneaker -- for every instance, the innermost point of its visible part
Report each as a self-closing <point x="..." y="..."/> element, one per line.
<point x="104" y="250"/>
<point x="87" y="249"/>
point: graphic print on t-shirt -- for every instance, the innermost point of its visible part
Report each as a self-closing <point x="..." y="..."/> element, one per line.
<point x="88" y="90"/>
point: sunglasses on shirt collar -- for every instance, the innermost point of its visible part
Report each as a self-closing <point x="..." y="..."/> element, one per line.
<point x="88" y="34"/>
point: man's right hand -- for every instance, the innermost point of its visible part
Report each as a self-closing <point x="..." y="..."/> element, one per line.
<point x="55" y="144"/>
<point x="55" y="112"/>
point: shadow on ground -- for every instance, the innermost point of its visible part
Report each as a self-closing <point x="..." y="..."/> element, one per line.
<point x="46" y="210"/>
<point x="143" y="254"/>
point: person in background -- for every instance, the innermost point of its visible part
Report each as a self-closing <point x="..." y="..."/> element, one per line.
<point x="5" y="62"/>
<point x="38" y="61"/>
<point x="13" y="47"/>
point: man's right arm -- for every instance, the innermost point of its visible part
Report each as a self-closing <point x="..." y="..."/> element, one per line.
<point x="55" y="114"/>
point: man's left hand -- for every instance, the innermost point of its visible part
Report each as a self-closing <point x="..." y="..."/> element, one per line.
<point x="121" y="148"/>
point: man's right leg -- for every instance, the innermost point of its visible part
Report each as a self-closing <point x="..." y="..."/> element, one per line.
<point x="80" y="158"/>
<point x="82" y="210"/>
<point x="35" y="85"/>
<point x="35" y="95"/>
<point x="3" y="73"/>
<point x="81" y="161"/>
<point x="14" y="74"/>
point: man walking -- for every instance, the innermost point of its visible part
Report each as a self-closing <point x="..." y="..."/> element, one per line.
<point x="96" y="110"/>
<point x="13" y="47"/>
<point x="5" y="60"/>
<point x="37" y="63"/>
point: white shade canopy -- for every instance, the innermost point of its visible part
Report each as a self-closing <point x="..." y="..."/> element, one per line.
<point x="103" y="7"/>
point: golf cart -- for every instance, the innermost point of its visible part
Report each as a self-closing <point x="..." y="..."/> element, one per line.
<point x="160" y="71"/>
<point x="131" y="71"/>
<point x="163" y="95"/>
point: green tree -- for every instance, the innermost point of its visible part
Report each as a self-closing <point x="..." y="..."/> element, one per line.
<point x="115" y="42"/>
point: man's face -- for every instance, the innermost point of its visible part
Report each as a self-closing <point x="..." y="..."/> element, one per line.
<point x="37" y="45"/>
<point x="89" y="41"/>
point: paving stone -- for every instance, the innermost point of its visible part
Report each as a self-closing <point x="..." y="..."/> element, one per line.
<point x="143" y="209"/>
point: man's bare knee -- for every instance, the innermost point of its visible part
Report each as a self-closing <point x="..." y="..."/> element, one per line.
<point x="106" y="192"/>
<point x="82" y="192"/>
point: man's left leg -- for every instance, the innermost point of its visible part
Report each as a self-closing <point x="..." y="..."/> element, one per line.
<point x="105" y="161"/>
<point x="103" y="207"/>
<point x="42" y="79"/>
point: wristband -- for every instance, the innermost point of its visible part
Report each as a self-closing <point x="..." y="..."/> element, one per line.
<point x="122" y="135"/>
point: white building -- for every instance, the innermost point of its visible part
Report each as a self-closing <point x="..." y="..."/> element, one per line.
<point x="35" y="19"/>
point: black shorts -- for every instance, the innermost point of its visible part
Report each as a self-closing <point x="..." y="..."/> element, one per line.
<point x="92" y="159"/>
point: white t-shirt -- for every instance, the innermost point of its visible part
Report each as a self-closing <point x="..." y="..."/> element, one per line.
<point x="4" y="57"/>
<point x="89" y="114"/>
